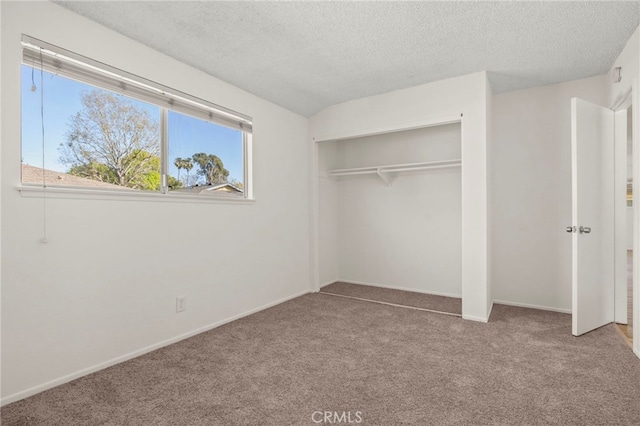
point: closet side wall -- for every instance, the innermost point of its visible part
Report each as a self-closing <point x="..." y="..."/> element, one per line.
<point x="328" y="252"/>
<point x="490" y="223"/>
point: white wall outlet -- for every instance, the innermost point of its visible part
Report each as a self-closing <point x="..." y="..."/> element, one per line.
<point x="181" y="303"/>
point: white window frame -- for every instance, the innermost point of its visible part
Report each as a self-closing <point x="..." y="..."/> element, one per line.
<point x="41" y="55"/>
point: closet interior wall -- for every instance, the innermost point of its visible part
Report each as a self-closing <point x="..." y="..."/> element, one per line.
<point x="405" y="234"/>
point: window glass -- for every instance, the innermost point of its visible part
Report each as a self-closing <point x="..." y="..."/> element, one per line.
<point x="93" y="138"/>
<point x="204" y="158"/>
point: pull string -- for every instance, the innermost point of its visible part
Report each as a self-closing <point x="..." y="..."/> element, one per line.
<point x="33" y="82"/>
<point x="44" y="180"/>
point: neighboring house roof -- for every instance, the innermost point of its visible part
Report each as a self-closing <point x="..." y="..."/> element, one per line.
<point x="208" y="189"/>
<point x="34" y="176"/>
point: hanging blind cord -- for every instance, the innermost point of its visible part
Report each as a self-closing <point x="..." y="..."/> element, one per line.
<point x="44" y="180"/>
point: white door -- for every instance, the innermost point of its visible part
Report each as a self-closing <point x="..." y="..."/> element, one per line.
<point x="592" y="155"/>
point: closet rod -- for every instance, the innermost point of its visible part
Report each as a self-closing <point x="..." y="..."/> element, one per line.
<point x="395" y="167"/>
<point x="408" y="169"/>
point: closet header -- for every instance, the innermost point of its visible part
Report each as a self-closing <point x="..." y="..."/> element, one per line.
<point x="391" y="128"/>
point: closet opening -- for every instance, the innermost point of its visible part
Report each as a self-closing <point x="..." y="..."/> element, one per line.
<point x="624" y="288"/>
<point x="390" y="218"/>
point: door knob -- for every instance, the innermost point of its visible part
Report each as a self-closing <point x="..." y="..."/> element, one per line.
<point x="585" y="230"/>
<point x="571" y="229"/>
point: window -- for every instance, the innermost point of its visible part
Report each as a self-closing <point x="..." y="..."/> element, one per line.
<point x="194" y="167"/>
<point x="87" y="125"/>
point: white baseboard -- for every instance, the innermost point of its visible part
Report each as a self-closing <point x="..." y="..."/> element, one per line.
<point x="474" y="318"/>
<point x="527" y="305"/>
<point x="479" y="319"/>
<point x="69" y="377"/>
<point x="326" y="284"/>
<point x="415" y="290"/>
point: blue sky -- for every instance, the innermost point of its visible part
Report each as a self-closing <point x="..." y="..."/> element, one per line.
<point x="187" y="135"/>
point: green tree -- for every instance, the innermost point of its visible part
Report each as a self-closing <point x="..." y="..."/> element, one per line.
<point x="113" y="140"/>
<point x="142" y="160"/>
<point x="188" y="165"/>
<point x="174" y="183"/>
<point x="183" y="163"/>
<point x="95" y="171"/>
<point x="211" y="168"/>
<point x="148" y="181"/>
<point x="179" y="163"/>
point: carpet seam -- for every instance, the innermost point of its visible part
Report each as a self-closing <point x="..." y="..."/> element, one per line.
<point x="392" y="304"/>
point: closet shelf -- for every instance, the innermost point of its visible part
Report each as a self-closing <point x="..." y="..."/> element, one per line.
<point x="383" y="171"/>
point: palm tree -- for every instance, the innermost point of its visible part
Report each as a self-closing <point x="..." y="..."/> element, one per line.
<point x="180" y="164"/>
<point x="187" y="165"/>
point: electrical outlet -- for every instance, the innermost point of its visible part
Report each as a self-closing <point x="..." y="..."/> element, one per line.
<point x="181" y="303"/>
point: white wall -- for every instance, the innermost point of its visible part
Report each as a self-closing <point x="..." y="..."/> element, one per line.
<point x="629" y="60"/>
<point x="406" y="235"/>
<point x="465" y="95"/>
<point x="328" y="241"/>
<point x="629" y="229"/>
<point x="1" y="234"/>
<point x="530" y="181"/>
<point x="104" y="287"/>
<point x="490" y="224"/>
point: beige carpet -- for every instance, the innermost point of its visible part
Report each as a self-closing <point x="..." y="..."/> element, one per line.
<point x="450" y="305"/>
<point x="395" y="366"/>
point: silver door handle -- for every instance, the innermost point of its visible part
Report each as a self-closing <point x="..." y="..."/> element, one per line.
<point x="570" y="229"/>
<point x="585" y="230"/>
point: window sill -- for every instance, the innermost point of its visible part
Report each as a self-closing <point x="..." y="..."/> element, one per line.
<point x="56" y="192"/>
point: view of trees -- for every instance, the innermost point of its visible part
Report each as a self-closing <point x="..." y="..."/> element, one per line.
<point x="186" y="164"/>
<point x="114" y="141"/>
<point x="211" y="169"/>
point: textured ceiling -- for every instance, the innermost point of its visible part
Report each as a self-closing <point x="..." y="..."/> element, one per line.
<point x="306" y="56"/>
